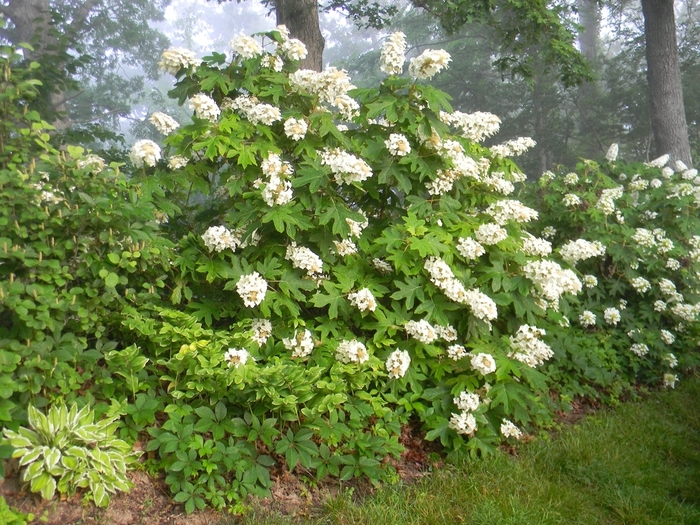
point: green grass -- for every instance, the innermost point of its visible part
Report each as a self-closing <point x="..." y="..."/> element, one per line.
<point x="638" y="464"/>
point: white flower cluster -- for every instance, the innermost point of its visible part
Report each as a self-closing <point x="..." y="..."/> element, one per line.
<point x="474" y="126"/>
<point x="469" y="248"/>
<point x="551" y="279"/>
<point x="329" y="84"/>
<point x="535" y="246"/>
<point x="294" y="49"/>
<point x="421" y="330"/>
<point x="571" y="200"/>
<point x="246" y="46"/>
<point x="252" y="289"/>
<point x="508" y="430"/>
<point x="587" y="319"/>
<point x="397" y="363"/>
<point x="351" y="352"/>
<point x="144" y="152"/>
<point x="272" y="62"/>
<point x="580" y="250"/>
<point x="93" y="162"/>
<point x="441" y="275"/>
<point x="381" y="266"/>
<point x="398" y="145"/>
<point x="463" y="423"/>
<point x="346" y="167"/>
<point x="165" y="124"/>
<point x="513" y="148"/>
<point x="393" y="54"/>
<point x="548" y="232"/>
<point x="220" y="238"/>
<point x="172" y="60"/>
<point x="640" y="284"/>
<point x="590" y="281"/>
<point x="490" y="233"/>
<point x="295" y="129"/>
<point x="671" y="359"/>
<point x="262" y="330"/>
<point x="304" y="259"/>
<point x="204" y="107"/>
<point x="176" y="162"/>
<point x="668" y="338"/>
<point x="468" y="401"/>
<point x="253" y="110"/>
<point x="429" y="63"/>
<point x="670" y="380"/>
<point x="527" y="347"/>
<point x="612" y="315"/>
<point x="637" y="183"/>
<point x="277" y="190"/>
<point x="456" y="352"/>
<point x="356" y="227"/>
<point x="611" y="155"/>
<point x="639" y="349"/>
<point x="687" y="312"/>
<point x="345" y="247"/>
<point x="496" y="182"/>
<point x="483" y="363"/>
<point x="301" y="343"/>
<point x="363" y="300"/>
<point x="571" y="179"/>
<point x="236" y="357"/>
<point x="659" y="162"/>
<point x="510" y="210"/>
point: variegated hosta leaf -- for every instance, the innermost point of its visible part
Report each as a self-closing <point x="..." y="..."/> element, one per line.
<point x="99" y="494"/>
<point x="51" y="458"/>
<point x="39" y="422"/>
<point x="33" y="471"/>
<point x="29" y="434"/>
<point x="78" y="452"/>
<point x="32" y="455"/>
<point x="17" y="440"/>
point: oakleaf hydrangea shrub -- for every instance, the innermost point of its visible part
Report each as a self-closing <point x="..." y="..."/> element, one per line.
<point x="631" y="232"/>
<point x="348" y="259"/>
<point x="77" y="244"/>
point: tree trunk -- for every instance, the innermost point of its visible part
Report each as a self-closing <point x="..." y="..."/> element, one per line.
<point x="301" y="18"/>
<point x="667" y="111"/>
<point x="588" y="36"/>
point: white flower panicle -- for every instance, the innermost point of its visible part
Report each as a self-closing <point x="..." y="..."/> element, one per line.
<point x="513" y="148"/>
<point x="345" y="247"/>
<point x="670" y="380"/>
<point x="172" y="60"/>
<point x="328" y="84"/>
<point x="262" y="330"/>
<point x="295" y="129"/>
<point x="658" y="162"/>
<point x="640" y="284"/>
<point x="393" y="54"/>
<point x="469" y="248"/>
<point x="551" y="279"/>
<point x="398" y="145"/>
<point x="580" y="250"/>
<point x="301" y="343"/>
<point x="304" y="259"/>
<point x="548" y="232"/>
<point x="612" y="315"/>
<point x="467" y="401"/>
<point x="571" y="200"/>
<point x="490" y="233"/>
<point x="587" y="318"/>
<point x="382" y="266"/>
<point x="236" y="357"/>
<point x="668" y="338"/>
<point x="509" y="430"/>
<point x="204" y="107"/>
<point x="535" y="246"/>
<point x="144" y="152"/>
<point x="590" y="281"/>
<point x="272" y="62"/>
<point x="527" y="347"/>
<point x="363" y="300"/>
<point x="397" y="363"/>
<point x="177" y="162"/>
<point x="351" y="352"/>
<point x="294" y="49"/>
<point x="252" y="289"/>
<point x="356" y="227"/>
<point x="639" y="349"/>
<point x="264" y="113"/>
<point x="463" y="423"/>
<point x="346" y="167"/>
<point x="671" y="360"/>
<point x="483" y="363"/>
<point x="246" y="46"/>
<point x="446" y="333"/>
<point x="611" y="155"/>
<point x="456" y="352"/>
<point x="165" y="124"/>
<point x="429" y="63"/>
<point x="220" y="238"/>
<point x="421" y="330"/>
<point x="510" y="210"/>
<point x="474" y="126"/>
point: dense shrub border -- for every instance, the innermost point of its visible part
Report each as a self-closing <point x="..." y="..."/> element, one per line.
<point x="311" y="266"/>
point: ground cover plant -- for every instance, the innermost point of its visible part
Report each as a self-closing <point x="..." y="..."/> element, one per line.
<point x="307" y="267"/>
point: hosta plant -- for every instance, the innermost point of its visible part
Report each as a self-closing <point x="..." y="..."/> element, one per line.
<point x="66" y="450"/>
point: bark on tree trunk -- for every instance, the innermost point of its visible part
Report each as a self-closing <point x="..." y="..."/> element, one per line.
<point x="301" y="18"/>
<point x="667" y="111"/>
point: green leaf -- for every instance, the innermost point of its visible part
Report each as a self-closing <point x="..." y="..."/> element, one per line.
<point x="111" y="280"/>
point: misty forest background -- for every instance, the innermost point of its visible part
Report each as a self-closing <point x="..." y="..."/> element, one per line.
<point x="101" y="79"/>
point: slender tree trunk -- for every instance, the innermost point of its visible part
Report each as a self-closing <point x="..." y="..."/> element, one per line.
<point x="588" y="36"/>
<point x="667" y="111"/>
<point x="301" y="18"/>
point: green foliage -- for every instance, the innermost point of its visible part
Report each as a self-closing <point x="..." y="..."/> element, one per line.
<point x="65" y="450"/>
<point x="13" y="517"/>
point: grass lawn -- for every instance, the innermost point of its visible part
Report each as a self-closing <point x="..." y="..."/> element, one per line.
<point x="638" y="464"/>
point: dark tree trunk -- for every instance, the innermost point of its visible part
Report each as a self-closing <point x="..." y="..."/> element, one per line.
<point x="301" y="18"/>
<point x="668" y="122"/>
<point x="588" y="36"/>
